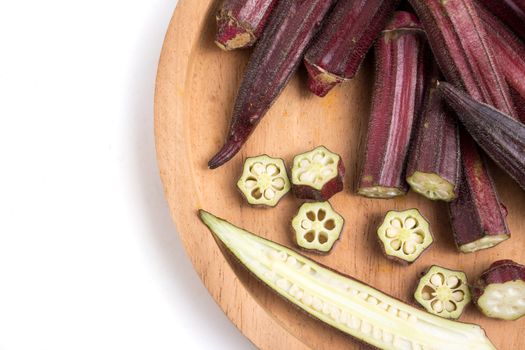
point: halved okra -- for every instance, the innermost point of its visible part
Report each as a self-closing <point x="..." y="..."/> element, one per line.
<point x="404" y="235"/>
<point x="264" y="181"/>
<point x="443" y="292"/>
<point x="317" y="226"/>
<point x="342" y="302"/>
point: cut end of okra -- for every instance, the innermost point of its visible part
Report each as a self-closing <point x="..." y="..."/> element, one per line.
<point x="317" y="226"/>
<point x="432" y="186"/>
<point x="264" y="180"/>
<point x="500" y="291"/>
<point x="443" y="292"/>
<point x="381" y="192"/>
<point x="317" y="174"/>
<point x="404" y="235"/>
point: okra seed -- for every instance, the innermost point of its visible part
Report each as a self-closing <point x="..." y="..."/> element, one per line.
<point x="453" y="282"/>
<point x="306" y="224"/>
<point x="291" y="261"/>
<point x="326" y="309"/>
<point x="307" y="299"/>
<point x="378" y="333"/>
<point x="269" y="194"/>
<point x="271" y="169"/>
<point x="437" y="305"/>
<point x="437" y="279"/>
<point x="335" y="314"/>
<point x="395" y="244"/>
<point x="387" y="337"/>
<point x="412" y="318"/>
<point x="458" y="295"/>
<point x="396" y="223"/>
<point x="372" y="301"/>
<point x="283" y="256"/>
<point x="392" y="310"/>
<point x="410" y="223"/>
<point x="366" y="327"/>
<point x="354" y="323"/>
<point x="344" y="317"/>
<point x="403" y="315"/>
<point x="250" y="184"/>
<point x="363" y="295"/>
<point x="317" y="304"/>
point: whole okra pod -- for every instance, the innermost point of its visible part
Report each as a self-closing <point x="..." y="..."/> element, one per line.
<point x="241" y="22"/>
<point x="347" y="35"/>
<point x="399" y="56"/>
<point x="275" y="58"/>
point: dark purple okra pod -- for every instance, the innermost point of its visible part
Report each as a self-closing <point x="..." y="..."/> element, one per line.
<point x="347" y="35"/>
<point x="500" y="136"/>
<point x="275" y="58"/>
<point x="241" y="22"/>
<point x="399" y="56"/>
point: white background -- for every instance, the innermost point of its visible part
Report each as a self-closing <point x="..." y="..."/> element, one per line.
<point x="89" y="258"/>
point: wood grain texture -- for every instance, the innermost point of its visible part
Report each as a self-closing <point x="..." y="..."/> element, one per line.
<point x="196" y="87"/>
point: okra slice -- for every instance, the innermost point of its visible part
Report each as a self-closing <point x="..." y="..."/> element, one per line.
<point x="443" y="292"/>
<point x="317" y="175"/>
<point x="500" y="291"/>
<point x="317" y="226"/>
<point x="264" y="180"/>
<point x="404" y="235"/>
<point x="340" y="301"/>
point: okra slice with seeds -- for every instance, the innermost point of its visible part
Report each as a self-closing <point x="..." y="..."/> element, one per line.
<point x="317" y="226"/>
<point x="340" y="301"/>
<point x="264" y="181"/>
<point x="443" y="292"/>
<point x="317" y="175"/>
<point x="404" y="235"/>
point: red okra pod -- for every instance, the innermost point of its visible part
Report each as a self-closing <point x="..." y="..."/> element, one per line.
<point x="500" y="136"/>
<point x="463" y="50"/>
<point x="510" y="55"/>
<point x="511" y="12"/>
<point x="434" y="159"/>
<point x="275" y="58"/>
<point x="399" y="55"/>
<point x="241" y="22"/>
<point x="347" y="35"/>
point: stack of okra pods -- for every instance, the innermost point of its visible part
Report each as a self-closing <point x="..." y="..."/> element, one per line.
<point x="449" y="89"/>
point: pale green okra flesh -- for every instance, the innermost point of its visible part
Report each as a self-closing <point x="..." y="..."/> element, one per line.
<point x="315" y="168"/>
<point x="405" y="235"/>
<point x="264" y="180"/>
<point x="432" y="186"/>
<point x="505" y="301"/>
<point x="443" y="292"/>
<point x="317" y="226"/>
<point x="346" y="304"/>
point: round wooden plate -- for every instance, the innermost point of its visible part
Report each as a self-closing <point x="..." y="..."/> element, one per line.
<point x="196" y="87"/>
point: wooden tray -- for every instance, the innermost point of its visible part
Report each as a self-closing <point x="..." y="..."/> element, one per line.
<point x="196" y="87"/>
